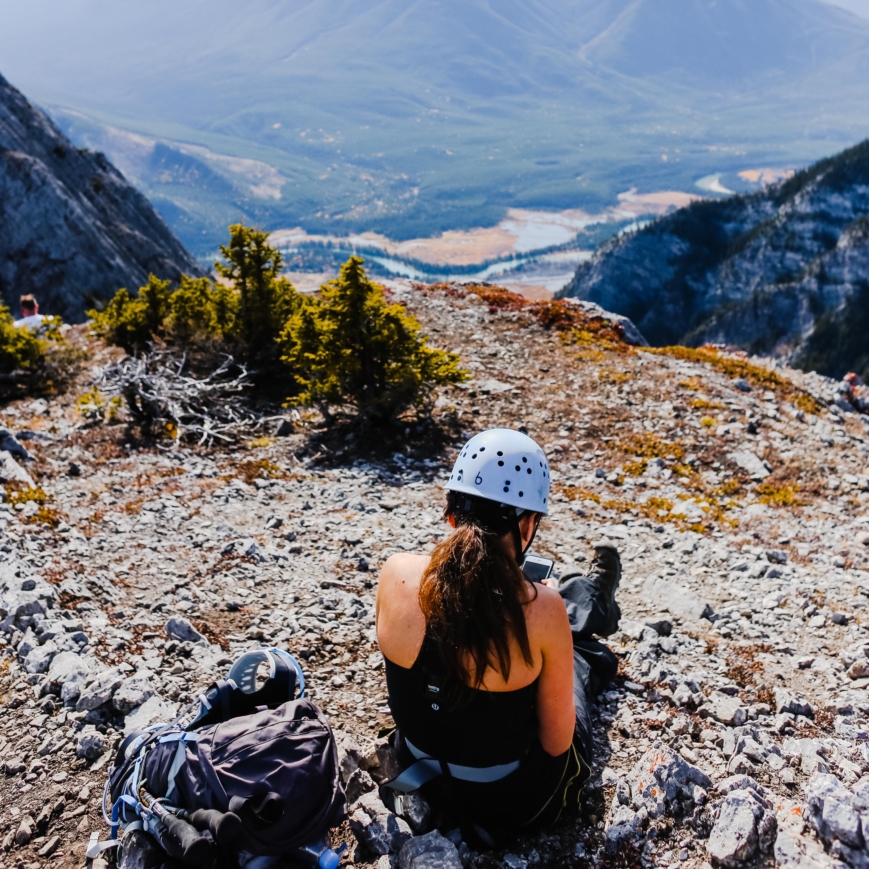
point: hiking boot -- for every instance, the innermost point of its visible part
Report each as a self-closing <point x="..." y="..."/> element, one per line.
<point x="606" y="569"/>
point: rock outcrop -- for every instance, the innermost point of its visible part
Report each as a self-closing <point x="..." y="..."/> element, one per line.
<point x="74" y="230"/>
<point x="784" y="271"/>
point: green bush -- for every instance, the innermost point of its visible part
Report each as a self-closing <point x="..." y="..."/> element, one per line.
<point x="349" y="346"/>
<point x="246" y="318"/>
<point x="32" y="362"/>
<point x="265" y="300"/>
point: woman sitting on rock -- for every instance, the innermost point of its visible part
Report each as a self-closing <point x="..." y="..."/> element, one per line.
<point x="490" y="675"/>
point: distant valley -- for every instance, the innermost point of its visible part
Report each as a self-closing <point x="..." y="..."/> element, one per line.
<point x="408" y="119"/>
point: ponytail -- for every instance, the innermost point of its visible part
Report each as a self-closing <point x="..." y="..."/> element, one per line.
<point x="472" y="595"/>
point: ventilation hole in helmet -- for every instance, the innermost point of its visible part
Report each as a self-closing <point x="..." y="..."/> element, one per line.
<point x="525" y="459"/>
<point x="482" y="449"/>
<point x="506" y="488"/>
<point x="521" y="494"/>
<point x="506" y="482"/>
<point x="500" y="453"/>
<point x="541" y="464"/>
<point x="544" y="500"/>
<point x="529" y="470"/>
<point x="500" y="464"/>
<point x="518" y="468"/>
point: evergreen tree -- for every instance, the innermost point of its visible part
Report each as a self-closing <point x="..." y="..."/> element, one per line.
<point x="350" y="346"/>
<point x="266" y="300"/>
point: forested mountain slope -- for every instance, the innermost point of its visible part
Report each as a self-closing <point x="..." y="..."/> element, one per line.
<point x="784" y="271"/>
<point x="413" y="116"/>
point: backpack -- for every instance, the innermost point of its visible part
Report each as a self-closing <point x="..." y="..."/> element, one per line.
<point x="253" y="769"/>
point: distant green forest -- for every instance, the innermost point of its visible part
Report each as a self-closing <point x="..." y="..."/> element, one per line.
<point x="411" y="117"/>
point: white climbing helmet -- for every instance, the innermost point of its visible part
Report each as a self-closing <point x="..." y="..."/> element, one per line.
<point x="505" y="466"/>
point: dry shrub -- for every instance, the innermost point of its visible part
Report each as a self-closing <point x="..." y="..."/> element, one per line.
<point x="649" y="446"/>
<point x="778" y="494"/>
<point x="736" y="367"/>
<point x="559" y="315"/>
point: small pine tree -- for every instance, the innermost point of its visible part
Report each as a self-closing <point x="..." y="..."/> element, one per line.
<point x="132" y="323"/>
<point x="350" y="346"/>
<point x="266" y="300"/>
<point x="199" y="309"/>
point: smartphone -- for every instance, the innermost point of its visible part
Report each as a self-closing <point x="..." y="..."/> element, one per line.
<point x="537" y="568"/>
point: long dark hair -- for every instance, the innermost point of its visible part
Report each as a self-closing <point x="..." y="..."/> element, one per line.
<point x="472" y="592"/>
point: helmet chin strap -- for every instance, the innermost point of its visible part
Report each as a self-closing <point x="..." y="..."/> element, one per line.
<point x="517" y="539"/>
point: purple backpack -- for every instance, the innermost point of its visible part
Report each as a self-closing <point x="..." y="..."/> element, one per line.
<point x="255" y="769"/>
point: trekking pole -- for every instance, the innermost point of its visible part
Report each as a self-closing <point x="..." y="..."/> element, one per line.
<point x="225" y="827"/>
<point x="184" y="841"/>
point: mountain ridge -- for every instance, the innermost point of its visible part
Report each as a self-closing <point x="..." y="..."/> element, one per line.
<point x="762" y="272"/>
<point x="74" y="229"/>
<point x="409" y="119"/>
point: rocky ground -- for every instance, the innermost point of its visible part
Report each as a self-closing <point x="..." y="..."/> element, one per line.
<point x="736" y="732"/>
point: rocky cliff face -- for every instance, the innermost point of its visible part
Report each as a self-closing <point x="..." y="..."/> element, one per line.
<point x="74" y="230"/>
<point x="784" y="271"/>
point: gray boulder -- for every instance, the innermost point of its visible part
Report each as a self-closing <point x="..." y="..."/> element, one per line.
<point x="660" y="778"/>
<point x="153" y="711"/>
<point x="378" y="829"/>
<point x="359" y="783"/>
<point x="139" y="851"/>
<point x="417" y="812"/>
<point x="99" y="690"/>
<point x="728" y="710"/>
<point x="746" y="825"/>
<point x="182" y="630"/>
<point x="431" y="851"/>
<point x="787" y="701"/>
<point x="91" y="744"/>
<point x="67" y="675"/>
<point x="12" y="472"/>
<point x="676" y="598"/>
<point x="659" y="781"/>
<point x="10" y="444"/>
<point x="39" y="659"/>
<point x="22" y="595"/>
<point x="133" y="692"/>
<point x="837" y="815"/>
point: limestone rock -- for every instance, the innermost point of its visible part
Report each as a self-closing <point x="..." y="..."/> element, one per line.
<point x="39" y="659"/>
<point x="132" y="692"/>
<point x="12" y="472"/>
<point x="99" y="690"/>
<point x="90" y="743"/>
<point x="676" y="598"/>
<point x="183" y="630"/>
<point x="378" y="829"/>
<point x="153" y="711"/>
<point x="431" y="851"/>
<point x="359" y="783"/>
<point x="728" y="710"/>
<point x="75" y="228"/>
<point x="746" y="824"/>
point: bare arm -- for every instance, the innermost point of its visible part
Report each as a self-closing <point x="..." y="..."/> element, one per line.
<point x="556" y="714"/>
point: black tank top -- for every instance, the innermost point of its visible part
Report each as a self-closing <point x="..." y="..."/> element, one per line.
<point x="476" y="728"/>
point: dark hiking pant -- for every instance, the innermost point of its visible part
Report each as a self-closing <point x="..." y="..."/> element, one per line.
<point x="594" y="665"/>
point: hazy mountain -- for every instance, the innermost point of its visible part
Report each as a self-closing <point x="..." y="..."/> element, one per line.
<point x="73" y="229"/>
<point x="784" y="271"/>
<point x="412" y="115"/>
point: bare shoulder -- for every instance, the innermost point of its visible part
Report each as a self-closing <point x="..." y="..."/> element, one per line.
<point x="402" y="571"/>
<point x="403" y="565"/>
<point x="547" y="609"/>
